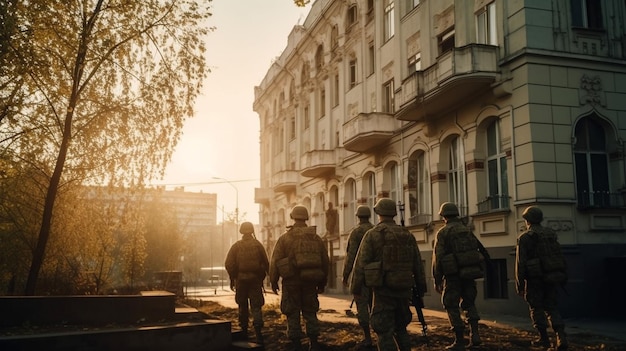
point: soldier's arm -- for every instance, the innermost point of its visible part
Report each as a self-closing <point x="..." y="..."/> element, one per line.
<point x="438" y="252"/>
<point x="350" y="256"/>
<point x="521" y="257"/>
<point x="363" y="257"/>
<point x="231" y="262"/>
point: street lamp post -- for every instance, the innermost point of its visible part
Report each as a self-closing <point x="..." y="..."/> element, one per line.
<point x="236" y="200"/>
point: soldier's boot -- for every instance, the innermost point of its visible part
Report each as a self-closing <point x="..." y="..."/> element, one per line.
<point x="459" y="342"/>
<point x="294" y="345"/>
<point x="244" y="332"/>
<point x="474" y="336"/>
<point x="259" y="335"/>
<point x="543" y="340"/>
<point x="367" y="339"/>
<point x="314" y="345"/>
<point x="561" y="339"/>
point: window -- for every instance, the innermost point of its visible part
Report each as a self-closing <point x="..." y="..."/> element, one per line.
<point x="349" y="219"/>
<point x="587" y="14"/>
<point x="322" y="102"/>
<point x="592" y="166"/>
<point x="389" y="20"/>
<point x="352" y="72"/>
<point x="306" y="116"/>
<point x="496" y="171"/>
<point x="456" y="176"/>
<point x="334" y="39"/>
<point x="446" y="41"/>
<point x="292" y="127"/>
<point x="319" y="58"/>
<point x="419" y="189"/>
<point x="415" y="63"/>
<point x="410" y="5"/>
<point x="392" y="182"/>
<point x="369" y="184"/>
<point x="336" y="90"/>
<point x="388" y="97"/>
<point x="486" y="25"/>
<point x="372" y="58"/>
<point x="351" y="17"/>
<point x="496" y="280"/>
<point x="370" y="10"/>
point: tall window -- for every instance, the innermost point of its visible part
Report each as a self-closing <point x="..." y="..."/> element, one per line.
<point x="352" y="72"/>
<point x="351" y="203"/>
<point x="306" y="115"/>
<point x="393" y="182"/>
<point x="334" y="39"/>
<point x="319" y="58"/>
<point x="587" y="14"/>
<point x="496" y="169"/>
<point x="446" y="41"/>
<point x="388" y="97"/>
<point x="456" y="176"/>
<point x="351" y="17"/>
<point x="592" y="164"/>
<point x="292" y="127"/>
<point x="322" y="102"/>
<point x="419" y="189"/>
<point x="336" y="90"/>
<point x="415" y="63"/>
<point x="372" y="58"/>
<point x="486" y="25"/>
<point x="389" y="20"/>
<point x="370" y="10"/>
<point x="369" y="184"/>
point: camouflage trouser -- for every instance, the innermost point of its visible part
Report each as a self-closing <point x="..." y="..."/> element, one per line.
<point x="363" y="304"/>
<point x="298" y="299"/>
<point x="390" y="317"/>
<point x="459" y="292"/>
<point x="542" y="302"/>
<point x="252" y="292"/>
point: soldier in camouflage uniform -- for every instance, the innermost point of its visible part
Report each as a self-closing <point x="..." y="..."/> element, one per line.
<point x="540" y="296"/>
<point x="298" y="296"/>
<point x="454" y="290"/>
<point x="248" y="285"/>
<point x="363" y="301"/>
<point x="390" y="314"/>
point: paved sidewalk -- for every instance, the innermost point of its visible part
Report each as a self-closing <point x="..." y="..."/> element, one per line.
<point x="338" y="304"/>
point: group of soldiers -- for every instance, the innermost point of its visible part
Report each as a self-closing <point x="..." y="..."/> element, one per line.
<point x="383" y="270"/>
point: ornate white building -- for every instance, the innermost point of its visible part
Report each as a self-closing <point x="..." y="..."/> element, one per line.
<point x="494" y="105"/>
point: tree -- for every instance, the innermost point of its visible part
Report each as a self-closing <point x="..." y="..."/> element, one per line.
<point x="104" y="88"/>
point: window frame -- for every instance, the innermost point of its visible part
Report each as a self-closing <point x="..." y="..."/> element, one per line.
<point x="388" y="97"/>
<point x="486" y="26"/>
<point x="389" y="21"/>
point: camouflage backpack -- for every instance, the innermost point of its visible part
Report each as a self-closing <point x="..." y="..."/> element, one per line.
<point x="249" y="261"/>
<point x="306" y="254"/>
<point x="397" y="259"/>
<point x="464" y="254"/>
<point x="549" y="262"/>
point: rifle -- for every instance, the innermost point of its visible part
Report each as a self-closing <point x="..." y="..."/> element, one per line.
<point x="417" y="301"/>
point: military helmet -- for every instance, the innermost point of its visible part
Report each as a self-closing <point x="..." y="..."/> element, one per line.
<point x="385" y="207"/>
<point x="363" y="211"/>
<point x="448" y="209"/>
<point x="299" y="212"/>
<point x="246" y="228"/>
<point x="533" y="214"/>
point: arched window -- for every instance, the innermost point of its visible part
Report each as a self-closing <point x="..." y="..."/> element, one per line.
<point x="350" y="199"/>
<point x="418" y="180"/>
<point x="592" y="165"/>
<point x="456" y="175"/>
<point x="497" y="177"/>
<point x="369" y="188"/>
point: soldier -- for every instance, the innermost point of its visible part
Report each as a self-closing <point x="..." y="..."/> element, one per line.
<point x="300" y="258"/>
<point x="537" y="251"/>
<point x="455" y="264"/>
<point x="247" y="265"/>
<point x="389" y="262"/>
<point x="363" y="301"/>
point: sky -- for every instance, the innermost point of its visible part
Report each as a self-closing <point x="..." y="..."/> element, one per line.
<point x="219" y="149"/>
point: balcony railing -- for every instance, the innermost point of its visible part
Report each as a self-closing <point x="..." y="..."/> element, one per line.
<point x="368" y="130"/>
<point x="455" y="77"/>
<point x="494" y="203"/>
<point x="601" y="199"/>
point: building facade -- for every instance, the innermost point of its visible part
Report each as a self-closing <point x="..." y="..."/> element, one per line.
<point x="493" y="105"/>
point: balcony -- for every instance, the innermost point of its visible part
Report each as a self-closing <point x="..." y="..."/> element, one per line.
<point x="262" y="195"/>
<point x="317" y="163"/>
<point x="285" y="181"/>
<point x="455" y="78"/>
<point x="601" y="200"/>
<point x="368" y="130"/>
